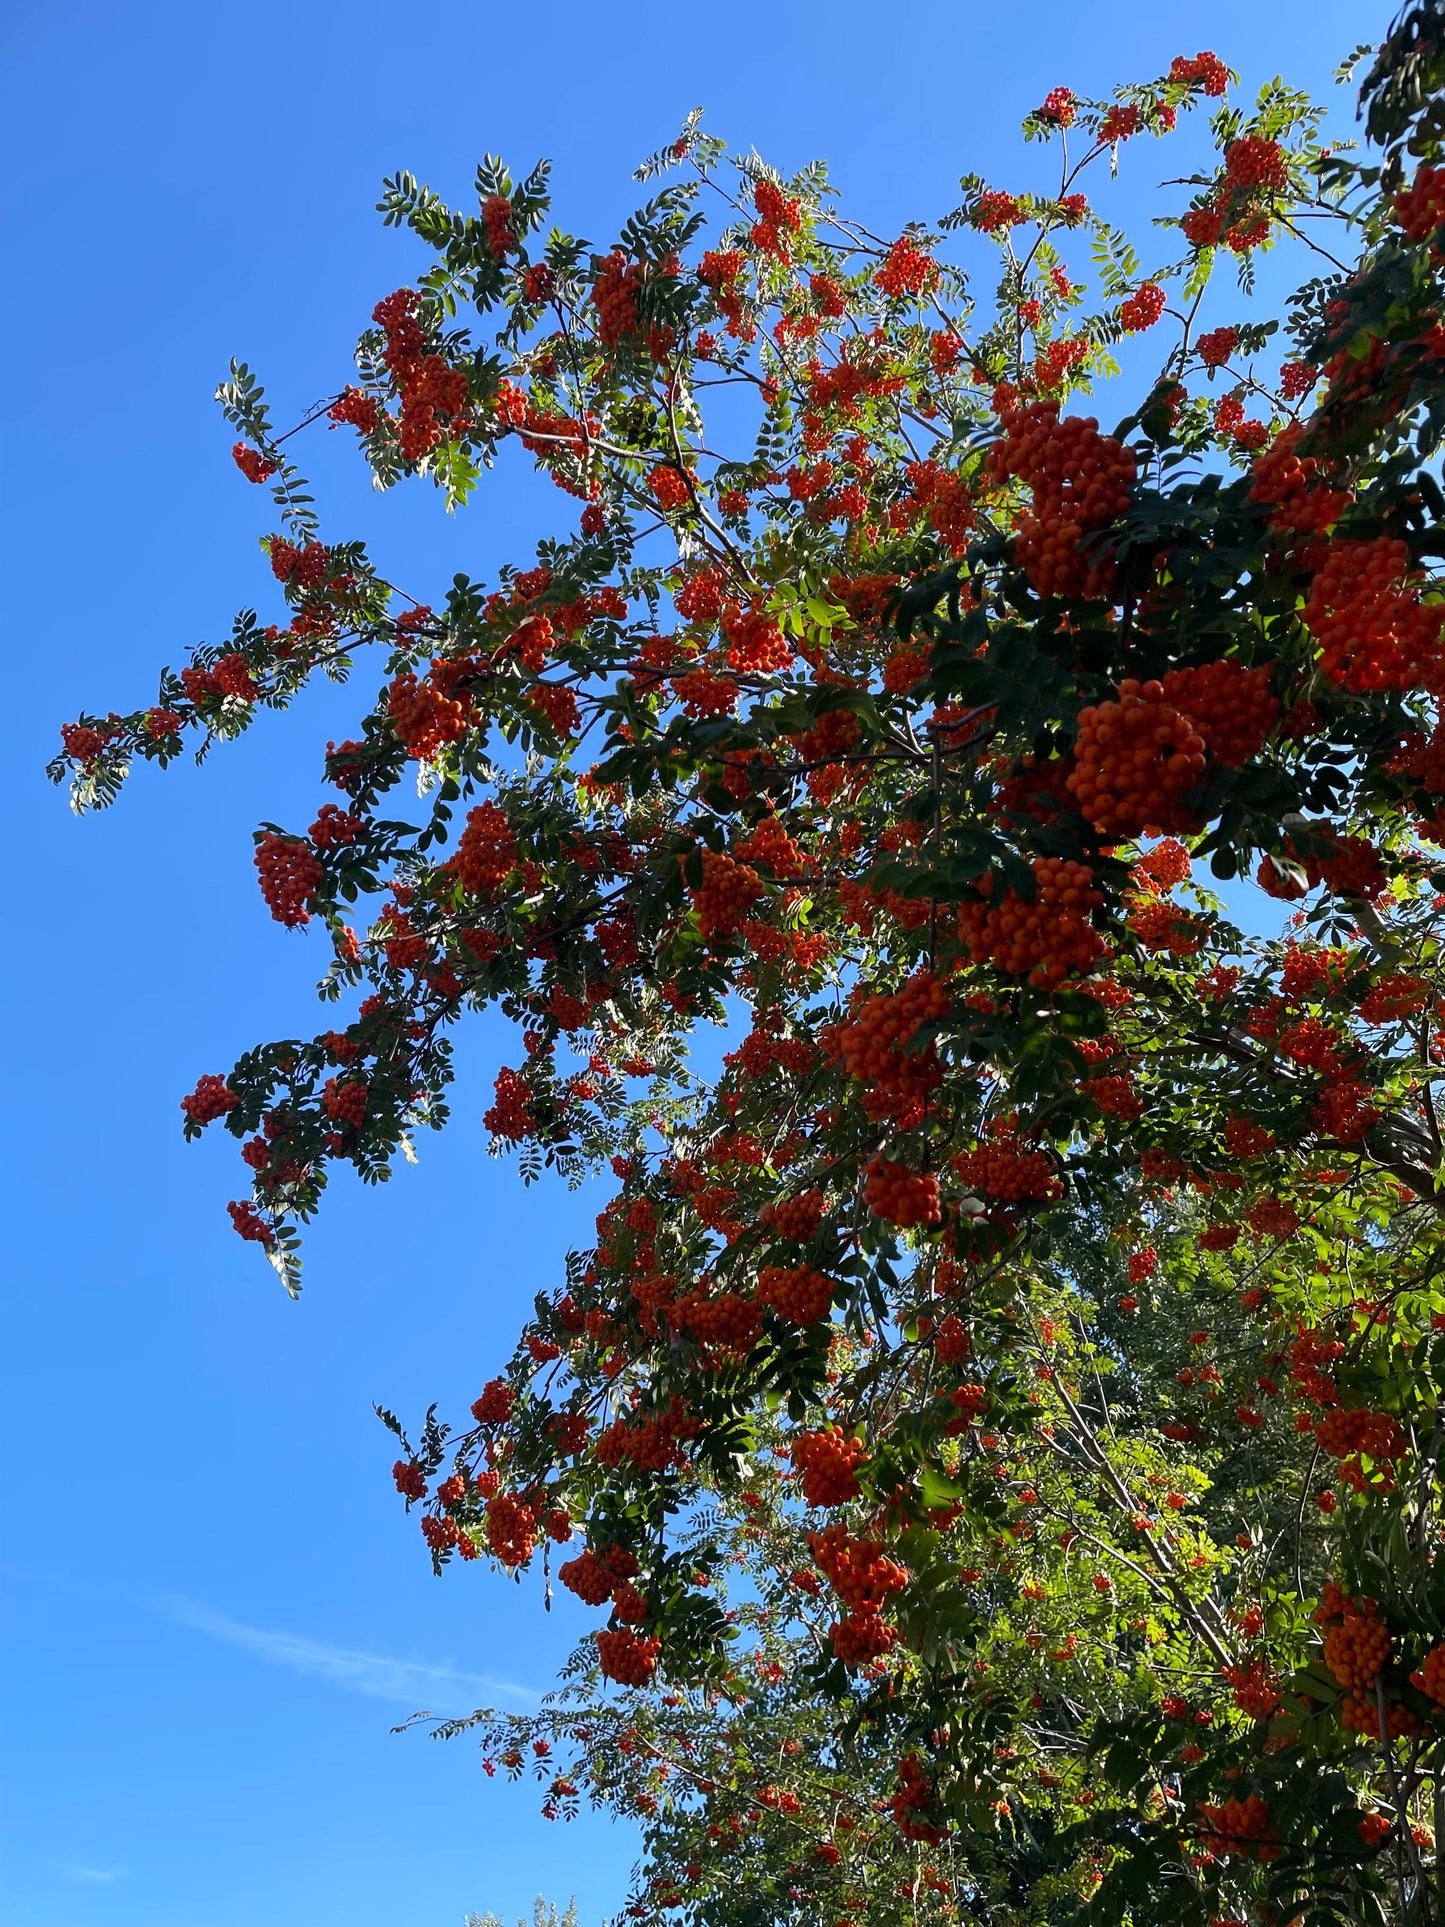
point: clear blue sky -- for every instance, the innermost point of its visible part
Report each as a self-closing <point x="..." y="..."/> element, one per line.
<point x="213" y="1606"/>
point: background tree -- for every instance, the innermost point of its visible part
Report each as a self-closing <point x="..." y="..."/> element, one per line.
<point x="909" y="710"/>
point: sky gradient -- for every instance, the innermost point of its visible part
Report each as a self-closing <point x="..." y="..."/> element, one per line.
<point x="214" y="1609"/>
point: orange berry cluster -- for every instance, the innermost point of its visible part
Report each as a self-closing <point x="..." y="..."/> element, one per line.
<point x="1046" y="940"/>
<point x="1244" y="1827"/>
<point x="798" y="1293"/>
<point x="592" y="1578"/>
<point x="1160" y="925"/>
<point x="290" y="873"/>
<point x="827" y="1462"/>
<point x="1255" y="1688"/>
<point x="873" y="1043"/>
<point x="1343" y="1434"/>
<point x="863" y="1576"/>
<point x="486" y="852"/>
<point x="1080" y="481"/>
<point x="728" y="1321"/>
<point x="628" y="1657"/>
<point x="345" y="1103"/>
<point x="511" y="1529"/>
<point x="614" y="295"/>
<point x="1004" y="1170"/>
<point x="1137" y="758"/>
<point x="212" y="1098"/>
<point x="1232" y="707"/>
<point x="796" y="1218"/>
<point x="1294" y="486"/>
<point x="1254" y="162"/>
<point x="1431" y="1677"/>
<point x="423" y="718"/>
<point x="1364" y="611"/>
<point x="898" y="1196"/>
<point x="728" y="891"/>
<point x="1356" y="1650"/>
<point x="1420" y="208"/>
<point x="914" y="1792"/>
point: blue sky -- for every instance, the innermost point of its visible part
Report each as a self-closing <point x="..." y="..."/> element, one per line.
<point x="213" y="1606"/>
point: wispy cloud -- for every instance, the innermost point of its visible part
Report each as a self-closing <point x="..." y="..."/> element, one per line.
<point x="97" y="1875"/>
<point x="406" y="1682"/>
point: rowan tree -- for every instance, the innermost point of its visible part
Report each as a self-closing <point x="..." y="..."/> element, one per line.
<point x="1040" y="1314"/>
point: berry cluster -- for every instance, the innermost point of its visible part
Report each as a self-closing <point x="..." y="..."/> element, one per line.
<point x="797" y="1293"/>
<point x="1080" y="481"/>
<point x="727" y="892"/>
<point x="1003" y="1169"/>
<point x="511" y="1529"/>
<point x="628" y="1657"/>
<point x="423" y="718"/>
<point x="1233" y="708"/>
<point x="1420" y="207"/>
<point x="614" y="295"/>
<point x="828" y="1462"/>
<point x="1365" y="612"/>
<point x="486" y="852"/>
<point x="1136" y="761"/>
<point x="874" y="1046"/>
<point x="212" y="1098"/>
<point x="290" y="873"/>
<point x="1046" y="940"/>
<point x="898" y="1196"/>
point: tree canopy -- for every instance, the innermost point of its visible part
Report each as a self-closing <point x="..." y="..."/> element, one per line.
<point x="1000" y="1415"/>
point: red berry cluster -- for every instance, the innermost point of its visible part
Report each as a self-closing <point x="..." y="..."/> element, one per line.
<point x="828" y="1462"/>
<point x="614" y="295"/>
<point x="1080" y="481"/>
<point x="863" y="1576"/>
<point x="1046" y="940"/>
<point x="898" y="1196"/>
<point x="727" y="892"/>
<point x="628" y="1657"/>
<point x="670" y="486"/>
<point x="429" y="387"/>
<point x="410" y="1479"/>
<point x="1059" y="107"/>
<point x="905" y="270"/>
<point x="486" y="852"/>
<point x="1005" y="1170"/>
<point x="756" y="645"/>
<point x="212" y="1098"/>
<point x="1215" y="347"/>
<point x="255" y="466"/>
<point x="1244" y="1827"/>
<point x="797" y="1293"/>
<point x="1142" y="309"/>
<point x="796" y="1218"/>
<point x="290" y="873"/>
<point x="1364" y="611"/>
<point x="1252" y="163"/>
<point x="423" y="718"/>
<point x="361" y="410"/>
<point x="915" y="1791"/>
<point x="1296" y="487"/>
<point x="1420" y="208"/>
<point x="497" y="218"/>
<point x="248" y="1223"/>
<point x="510" y="1115"/>
<point x="874" y="1044"/>
<point x="345" y="1102"/>
<point x="511" y="1529"/>
<point x="1136" y="759"/>
<point x="1233" y="708"/>
<point x="1205" y="70"/>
